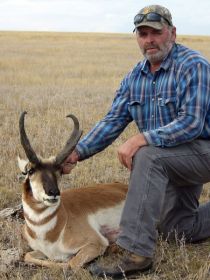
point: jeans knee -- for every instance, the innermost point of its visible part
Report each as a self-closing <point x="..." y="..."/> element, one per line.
<point x="145" y="155"/>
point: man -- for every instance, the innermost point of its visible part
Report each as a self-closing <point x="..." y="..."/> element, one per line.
<point x="168" y="96"/>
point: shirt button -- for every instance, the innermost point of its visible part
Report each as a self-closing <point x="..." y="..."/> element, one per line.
<point x="153" y="82"/>
<point x="152" y="116"/>
<point x="153" y="99"/>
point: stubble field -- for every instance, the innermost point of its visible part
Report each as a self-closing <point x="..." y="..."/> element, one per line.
<point x="51" y="75"/>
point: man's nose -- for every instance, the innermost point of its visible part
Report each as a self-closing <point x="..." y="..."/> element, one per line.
<point x="150" y="38"/>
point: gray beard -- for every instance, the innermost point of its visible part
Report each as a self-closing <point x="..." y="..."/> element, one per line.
<point x="160" y="55"/>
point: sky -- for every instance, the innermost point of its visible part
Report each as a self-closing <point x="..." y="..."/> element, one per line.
<point x="191" y="17"/>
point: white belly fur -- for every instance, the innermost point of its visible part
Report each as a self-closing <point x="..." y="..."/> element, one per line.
<point x="106" y="222"/>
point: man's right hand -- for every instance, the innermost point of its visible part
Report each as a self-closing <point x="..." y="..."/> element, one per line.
<point x="70" y="162"/>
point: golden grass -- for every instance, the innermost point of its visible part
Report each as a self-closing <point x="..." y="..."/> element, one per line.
<point x="51" y="75"/>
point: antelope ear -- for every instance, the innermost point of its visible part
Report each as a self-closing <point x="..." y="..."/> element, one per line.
<point x="22" y="164"/>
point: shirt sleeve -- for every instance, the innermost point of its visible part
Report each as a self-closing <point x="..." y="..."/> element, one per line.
<point x="110" y="127"/>
<point x="193" y="98"/>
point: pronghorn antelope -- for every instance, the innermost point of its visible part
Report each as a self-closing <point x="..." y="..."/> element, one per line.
<point x="70" y="228"/>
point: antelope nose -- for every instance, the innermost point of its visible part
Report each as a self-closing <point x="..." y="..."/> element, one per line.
<point x="54" y="193"/>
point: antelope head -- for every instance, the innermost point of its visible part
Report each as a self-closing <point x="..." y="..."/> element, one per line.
<point x="41" y="175"/>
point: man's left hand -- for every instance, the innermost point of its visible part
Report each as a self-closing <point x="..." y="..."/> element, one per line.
<point x="127" y="150"/>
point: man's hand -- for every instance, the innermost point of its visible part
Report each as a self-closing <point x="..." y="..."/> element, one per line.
<point x="127" y="150"/>
<point x="70" y="162"/>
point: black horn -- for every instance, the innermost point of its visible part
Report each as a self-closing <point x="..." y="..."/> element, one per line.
<point x="71" y="143"/>
<point x="31" y="155"/>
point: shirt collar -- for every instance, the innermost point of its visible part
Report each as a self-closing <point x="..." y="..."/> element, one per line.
<point x="145" y="66"/>
<point x="169" y="58"/>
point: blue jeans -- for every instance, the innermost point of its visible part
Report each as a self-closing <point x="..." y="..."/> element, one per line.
<point x="163" y="196"/>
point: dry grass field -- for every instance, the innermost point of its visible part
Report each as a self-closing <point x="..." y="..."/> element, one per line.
<point x="51" y="75"/>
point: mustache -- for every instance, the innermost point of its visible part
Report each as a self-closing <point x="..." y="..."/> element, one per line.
<point x="150" y="46"/>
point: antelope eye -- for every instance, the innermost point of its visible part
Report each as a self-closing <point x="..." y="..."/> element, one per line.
<point x="31" y="171"/>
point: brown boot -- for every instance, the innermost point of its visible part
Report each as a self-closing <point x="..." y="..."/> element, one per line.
<point x="128" y="265"/>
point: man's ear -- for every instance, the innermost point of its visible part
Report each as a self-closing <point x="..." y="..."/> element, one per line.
<point x="173" y="33"/>
<point x="22" y="164"/>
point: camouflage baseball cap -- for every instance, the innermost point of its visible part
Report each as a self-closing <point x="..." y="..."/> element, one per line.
<point x="154" y="16"/>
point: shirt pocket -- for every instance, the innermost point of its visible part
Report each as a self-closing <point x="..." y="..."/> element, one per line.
<point x="167" y="108"/>
<point x="136" y="110"/>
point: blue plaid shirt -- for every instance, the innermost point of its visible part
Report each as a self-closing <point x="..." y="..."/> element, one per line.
<point x="170" y="106"/>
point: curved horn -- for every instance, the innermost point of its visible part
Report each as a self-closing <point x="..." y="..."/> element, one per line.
<point x="71" y="143"/>
<point x="31" y="155"/>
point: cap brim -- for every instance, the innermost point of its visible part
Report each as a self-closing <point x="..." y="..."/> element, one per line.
<point x="155" y="25"/>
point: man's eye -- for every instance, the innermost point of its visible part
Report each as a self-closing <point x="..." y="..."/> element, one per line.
<point x="142" y="34"/>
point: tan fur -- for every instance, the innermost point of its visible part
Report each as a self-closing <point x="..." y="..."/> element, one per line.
<point x="30" y="232"/>
<point x="44" y="221"/>
<point x="27" y="196"/>
<point x="72" y="227"/>
<point x="69" y="228"/>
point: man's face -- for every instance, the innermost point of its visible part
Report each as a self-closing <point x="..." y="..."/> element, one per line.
<point x="155" y="44"/>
